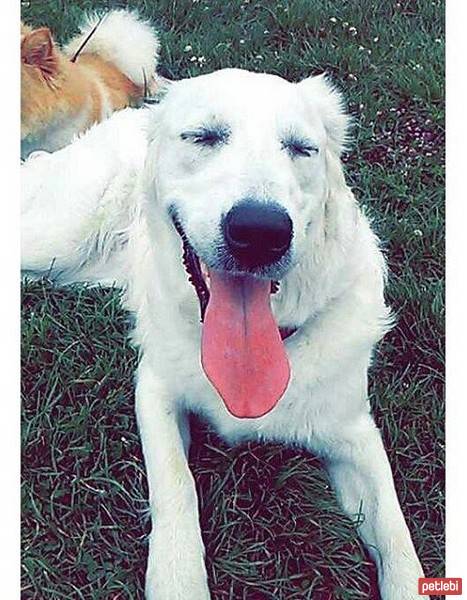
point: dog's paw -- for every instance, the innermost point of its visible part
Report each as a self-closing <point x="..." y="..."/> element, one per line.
<point x="164" y="582"/>
<point x="402" y="584"/>
<point x="176" y="569"/>
<point x="401" y="592"/>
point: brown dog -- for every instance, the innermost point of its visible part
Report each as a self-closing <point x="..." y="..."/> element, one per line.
<point x="107" y="67"/>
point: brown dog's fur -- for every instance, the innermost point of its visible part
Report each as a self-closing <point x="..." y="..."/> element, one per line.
<point x="53" y="87"/>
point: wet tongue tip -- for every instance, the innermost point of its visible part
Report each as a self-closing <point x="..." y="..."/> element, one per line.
<point x="242" y="352"/>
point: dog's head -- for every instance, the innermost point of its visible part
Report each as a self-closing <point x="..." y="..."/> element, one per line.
<point x="241" y="165"/>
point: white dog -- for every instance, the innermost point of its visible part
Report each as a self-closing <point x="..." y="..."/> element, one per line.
<point x="236" y="178"/>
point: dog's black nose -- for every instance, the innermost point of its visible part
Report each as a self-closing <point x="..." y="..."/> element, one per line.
<point x="257" y="233"/>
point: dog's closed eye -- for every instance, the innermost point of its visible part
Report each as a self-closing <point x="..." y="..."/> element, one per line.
<point x="209" y="136"/>
<point x="297" y="147"/>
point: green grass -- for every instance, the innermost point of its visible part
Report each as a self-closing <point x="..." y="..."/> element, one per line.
<point x="271" y="524"/>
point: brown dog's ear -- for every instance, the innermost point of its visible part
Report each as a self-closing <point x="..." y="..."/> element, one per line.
<point x="38" y="50"/>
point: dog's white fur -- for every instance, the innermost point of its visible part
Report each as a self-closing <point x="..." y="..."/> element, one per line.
<point x="123" y="39"/>
<point x="101" y="215"/>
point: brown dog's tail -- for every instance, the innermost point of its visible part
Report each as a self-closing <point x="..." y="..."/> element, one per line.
<point x="121" y="38"/>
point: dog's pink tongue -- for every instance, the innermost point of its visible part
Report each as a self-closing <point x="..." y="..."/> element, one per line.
<point x="241" y="351"/>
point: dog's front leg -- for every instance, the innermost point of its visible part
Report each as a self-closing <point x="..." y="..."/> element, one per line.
<point x="360" y="472"/>
<point x="175" y="569"/>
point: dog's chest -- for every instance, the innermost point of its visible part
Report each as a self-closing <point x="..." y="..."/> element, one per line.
<point x="313" y="401"/>
<point x="299" y="415"/>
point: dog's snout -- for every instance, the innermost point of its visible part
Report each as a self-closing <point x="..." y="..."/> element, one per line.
<point x="257" y="233"/>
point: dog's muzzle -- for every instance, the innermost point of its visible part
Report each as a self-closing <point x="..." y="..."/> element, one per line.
<point x="257" y="234"/>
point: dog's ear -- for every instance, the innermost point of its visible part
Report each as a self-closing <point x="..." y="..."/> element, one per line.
<point x="38" y="50"/>
<point x="324" y="98"/>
